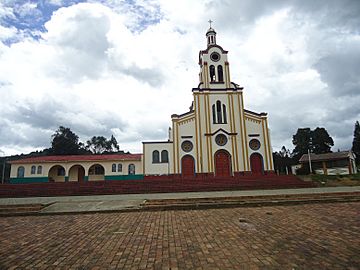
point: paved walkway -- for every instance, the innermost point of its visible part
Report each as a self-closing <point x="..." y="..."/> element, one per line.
<point x="311" y="236"/>
<point x="133" y="201"/>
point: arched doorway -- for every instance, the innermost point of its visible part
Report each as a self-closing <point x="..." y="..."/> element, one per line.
<point x="96" y="173"/>
<point x="256" y="163"/>
<point x="77" y="173"/>
<point x="222" y="163"/>
<point x="187" y="166"/>
<point x="56" y="174"/>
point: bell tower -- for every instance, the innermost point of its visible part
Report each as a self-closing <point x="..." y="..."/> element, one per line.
<point x="214" y="67"/>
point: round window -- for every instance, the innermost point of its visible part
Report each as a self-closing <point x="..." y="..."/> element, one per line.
<point x="221" y="139"/>
<point x="215" y="56"/>
<point x="186" y="146"/>
<point x="254" y="144"/>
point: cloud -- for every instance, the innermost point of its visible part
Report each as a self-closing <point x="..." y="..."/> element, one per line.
<point x="123" y="67"/>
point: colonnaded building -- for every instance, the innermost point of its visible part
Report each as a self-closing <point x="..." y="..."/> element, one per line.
<point x="216" y="137"/>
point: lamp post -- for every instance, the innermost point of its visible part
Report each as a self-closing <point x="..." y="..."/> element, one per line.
<point x="310" y="161"/>
<point x="3" y="171"/>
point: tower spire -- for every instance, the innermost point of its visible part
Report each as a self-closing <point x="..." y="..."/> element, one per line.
<point x="211" y="35"/>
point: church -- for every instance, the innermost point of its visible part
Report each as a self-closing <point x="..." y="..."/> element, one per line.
<point x="217" y="137"/>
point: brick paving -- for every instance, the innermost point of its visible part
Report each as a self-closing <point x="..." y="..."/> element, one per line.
<point x="311" y="236"/>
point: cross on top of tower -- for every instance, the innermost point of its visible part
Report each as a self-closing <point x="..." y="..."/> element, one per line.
<point x="210" y="21"/>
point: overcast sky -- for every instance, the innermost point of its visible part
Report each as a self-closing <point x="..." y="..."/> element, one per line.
<point x="123" y="67"/>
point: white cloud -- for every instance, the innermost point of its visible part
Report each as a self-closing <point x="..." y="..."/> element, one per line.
<point x="123" y="68"/>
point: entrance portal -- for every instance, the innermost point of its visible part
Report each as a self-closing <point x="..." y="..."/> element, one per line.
<point x="76" y="173"/>
<point x="187" y="166"/>
<point x="222" y="163"/>
<point x="256" y="163"/>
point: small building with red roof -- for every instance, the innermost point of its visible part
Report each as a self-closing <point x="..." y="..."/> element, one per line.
<point x="77" y="168"/>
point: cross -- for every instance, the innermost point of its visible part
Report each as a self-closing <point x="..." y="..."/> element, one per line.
<point x="210" y="21"/>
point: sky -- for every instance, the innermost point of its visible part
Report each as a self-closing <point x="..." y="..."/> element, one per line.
<point x="122" y="67"/>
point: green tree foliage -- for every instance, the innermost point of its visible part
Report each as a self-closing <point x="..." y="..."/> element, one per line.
<point x="100" y="145"/>
<point x="302" y="142"/>
<point x="283" y="161"/>
<point x="321" y="141"/>
<point x="356" y="141"/>
<point x="66" y="142"/>
<point x="318" y="141"/>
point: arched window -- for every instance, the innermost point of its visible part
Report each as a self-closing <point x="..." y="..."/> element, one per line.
<point x="155" y="156"/>
<point x="220" y="73"/>
<point x="224" y="114"/>
<point x="113" y="167"/>
<point x="33" y="169"/>
<point x="119" y="167"/>
<point x="212" y="73"/>
<point x="39" y="169"/>
<point x="214" y="113"/>
<point x="164" y="156"/>
<point x="131" y="169"/>
<point x="218" y="112"/>
<point x="21" y="171"/>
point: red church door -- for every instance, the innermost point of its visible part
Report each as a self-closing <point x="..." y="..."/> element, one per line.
<point x="222" y="163"/>
<point x="256" y="164"/>
<point x="187" y="166"/>
<point x="81" y="174"/>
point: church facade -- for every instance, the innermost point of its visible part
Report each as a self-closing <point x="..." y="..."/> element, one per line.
<point x="217" y="136"/>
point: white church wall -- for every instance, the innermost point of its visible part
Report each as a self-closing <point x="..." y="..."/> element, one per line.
<point x="157" y="168"/>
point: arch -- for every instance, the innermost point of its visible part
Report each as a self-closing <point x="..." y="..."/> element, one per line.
<point x="113" y="167"/>
<point x="56" y="174"/>
<point x="33" y="169"/>
<point x="96" y="172"/>
<point x="220" y="73"/>
<point x="131" y="169"/>
<point x="256" y="163"/>
<point x="39" y="169"/>
<point x="119" y="167"/>
<point x="77" y="173"/>
<point x="20" y="172"/>
<point x="224" y="114"/>
<point x="155" y="156"/>
<point x="187" y="166"/>
<point x="218" y="112"/>
<point x="222" y="163"/>
<point x="164" y="156"/>
<point x="214" y="113"/>
<point x="212" y="73"/>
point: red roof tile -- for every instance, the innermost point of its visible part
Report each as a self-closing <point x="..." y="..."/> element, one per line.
<point x="70" y="158"/>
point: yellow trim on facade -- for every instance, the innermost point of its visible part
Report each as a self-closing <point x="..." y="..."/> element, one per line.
<point x="143" y="159"/>
<point x="196" y="134"/>
<point x="253" y="119"/>
<point x="265" y="146"/>
<point x="185" y="121"/>
<point x="200" y="137"/>
<point x="241" y="129"/>
<point x="231" y="130"/>
<point x="268" y="138"/>
<point x="245" y="140"/>
<point x="174" y="144"/>
<point x="207" y="130"/>
<point x="211" y="169"/>
<point x="227" y="68"/>
<point x="177" y="148"/>
<point x="206" y="75"/>
<point x="234" y="131"/>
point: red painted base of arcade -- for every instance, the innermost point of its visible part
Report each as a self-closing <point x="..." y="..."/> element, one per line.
<point x="155" y="184"/>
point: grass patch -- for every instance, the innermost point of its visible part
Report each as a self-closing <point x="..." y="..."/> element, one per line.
<point x="336" y="180"/>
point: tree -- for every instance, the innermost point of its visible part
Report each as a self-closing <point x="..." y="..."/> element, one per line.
<point x="356" y="141"/>
<point x="283" y="161"/>
<point x="100" y="145"/>
<point x="321" y="141"/>
<point x="302" y="142"/>
<point x="318" y="141"/>
<point x="65" y="142"/>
